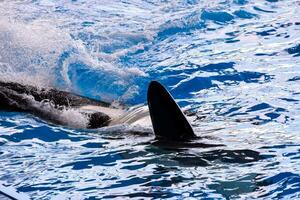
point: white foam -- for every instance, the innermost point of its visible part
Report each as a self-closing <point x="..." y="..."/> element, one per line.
<point x="67" y="116"/>
<point x="29" y="51"/>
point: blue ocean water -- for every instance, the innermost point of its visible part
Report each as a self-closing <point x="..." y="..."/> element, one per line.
<point x="233" y="63"/>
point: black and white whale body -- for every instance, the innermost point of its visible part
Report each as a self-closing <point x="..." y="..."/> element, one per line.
<point x="167" y="119"/>
<point x="46" y="103"/>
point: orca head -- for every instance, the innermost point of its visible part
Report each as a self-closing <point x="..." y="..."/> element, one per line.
<point x="168" y="121"/>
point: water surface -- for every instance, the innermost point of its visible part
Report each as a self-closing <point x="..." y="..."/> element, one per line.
<point x="233" y="63"/>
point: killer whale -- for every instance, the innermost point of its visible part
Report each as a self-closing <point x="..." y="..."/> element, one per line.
<point x="166" y="117"/>
<point x="170" y="126"/>
<point x="47" y="103"/>
<point x="168" y="120"/>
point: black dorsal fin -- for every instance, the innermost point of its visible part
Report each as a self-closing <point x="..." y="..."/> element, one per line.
<point x="168" y="121"/>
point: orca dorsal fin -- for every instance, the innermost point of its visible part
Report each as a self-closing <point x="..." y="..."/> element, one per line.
<point x="168" y="121"/>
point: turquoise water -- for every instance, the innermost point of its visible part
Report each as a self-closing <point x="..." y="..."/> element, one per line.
<point x="234" y="64"/>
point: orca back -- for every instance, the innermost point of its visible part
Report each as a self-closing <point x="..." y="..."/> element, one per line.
<point x="168" y="121"/>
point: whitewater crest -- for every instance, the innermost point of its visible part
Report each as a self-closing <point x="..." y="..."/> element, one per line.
<point x="40" y="54"/>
